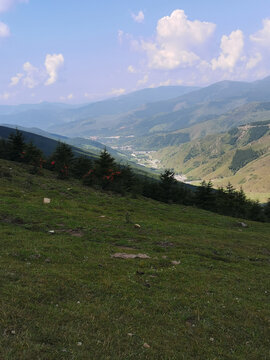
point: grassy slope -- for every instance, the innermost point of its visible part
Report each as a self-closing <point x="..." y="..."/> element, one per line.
<point x="214" y="158"/>
<point x="60" y="290"/>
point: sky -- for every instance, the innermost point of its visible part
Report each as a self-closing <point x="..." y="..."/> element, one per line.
<point x="82" y="51"/>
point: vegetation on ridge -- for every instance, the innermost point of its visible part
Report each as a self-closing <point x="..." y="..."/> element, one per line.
<point x="104" y="173"/>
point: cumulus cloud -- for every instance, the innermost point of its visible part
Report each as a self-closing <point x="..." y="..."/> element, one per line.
<point x="254" y="61"/>
<point x="5" y="96"/>
<point x="131" y="69"/>
<point x="52" y="65"/>
<point x="15" y="79"/>
<point x="117" y="92"/>
<point x="143" y="81"/>
<point x="139" y="17"/>
<point x="177" y="41"/>
<point x="231" y="51"/>
<point x="32" y="76"/>
<point x="4" y="30"/>
<point x="5" y="5"/>
<point x="68" y="97"/>
<point x="262" y="37"/>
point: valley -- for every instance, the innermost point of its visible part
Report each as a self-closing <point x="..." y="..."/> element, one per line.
<point x="190" y="130"/>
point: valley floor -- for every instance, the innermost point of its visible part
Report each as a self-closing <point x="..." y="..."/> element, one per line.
<point x="203" y="293"/>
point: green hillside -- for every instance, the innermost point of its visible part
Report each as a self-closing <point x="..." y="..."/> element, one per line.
<point x="45" y="144"/>
<point x="241" y="156"/>
<point x="201" y="294"/>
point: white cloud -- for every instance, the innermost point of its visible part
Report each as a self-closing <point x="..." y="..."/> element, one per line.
<point x="165" y="83"/>
<point x="4" y="29"/>
<point x="131" y="69"/>
<point x="5" y="5"/>
<point x="5" y="96"/>
<point x="254" y="61"/>
<point x="262" y="37"/>
<point x="32" y="75"/>
<point x="143" y="81"/>
<point x="52" y="65"/>
<point x="177" y="41"/>
<point x="118" y="92"/>
<point x="139" y="17"/>
<point x="68" y="97"/>
<point x="120" y="35"/>
<point x="231" y="51"/>
<point x="15" y="79"/>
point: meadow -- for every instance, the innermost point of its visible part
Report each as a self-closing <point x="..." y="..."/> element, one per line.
<point x="203" y="293"/>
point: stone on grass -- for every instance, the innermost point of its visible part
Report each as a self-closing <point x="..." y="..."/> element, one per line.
<point x="174" y="262"/>
<point x="146" y="346"/>
<point x="130" y="256"/>
<point x="137" y="226"/>
<point x="242" y="224"/>
<point x="46" y="201"/>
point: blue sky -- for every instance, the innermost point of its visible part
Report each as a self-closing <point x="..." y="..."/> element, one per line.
<point x="81" y="51"/>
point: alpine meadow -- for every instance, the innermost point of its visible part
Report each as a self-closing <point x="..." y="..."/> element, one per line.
<point x="134" y="180"/>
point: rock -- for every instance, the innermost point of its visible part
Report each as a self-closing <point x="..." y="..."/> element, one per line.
<point x="51" y="232"/>
<point x="130" y="256"/>
<point x="146" y="346"/>
<point x="137" y="226"/>
<point x="174" y="262"/>
<point x="242" y="224"/>
<point x="46" y="201"/>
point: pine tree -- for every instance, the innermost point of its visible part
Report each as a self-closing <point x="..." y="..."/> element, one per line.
<point x="81" y="166"/>
<point x="103" y="169"/>
<point x="205" y="197"/>
<point x="32" y="154"/>
<point x="16" y="146"/>
<point x="167" y="185"/>
<point x="62" y="159"/>
<point x="267" y="210"/>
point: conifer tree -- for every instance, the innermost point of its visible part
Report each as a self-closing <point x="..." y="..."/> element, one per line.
<point x="267" y="210"/>
<point x="103" y="169"/>
<point x="62" y="159"/>
<point x="16" y="146"/>
<point x="167" y="185"/>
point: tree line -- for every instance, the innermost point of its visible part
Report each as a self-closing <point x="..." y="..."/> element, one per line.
<point x="106" y="174"/>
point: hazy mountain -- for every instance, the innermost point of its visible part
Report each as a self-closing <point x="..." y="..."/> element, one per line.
<point x="177" y="113"/>
<point x="56" y="116"/>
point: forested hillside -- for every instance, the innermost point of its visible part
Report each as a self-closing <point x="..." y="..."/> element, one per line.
<point x="241" y="156"/>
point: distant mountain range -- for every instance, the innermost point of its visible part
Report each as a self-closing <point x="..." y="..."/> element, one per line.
<point x="102" y="114"/>
<point x="181" y="112"/>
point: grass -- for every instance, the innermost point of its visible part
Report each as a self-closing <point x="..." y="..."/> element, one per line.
<point x="64" y="297"/>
